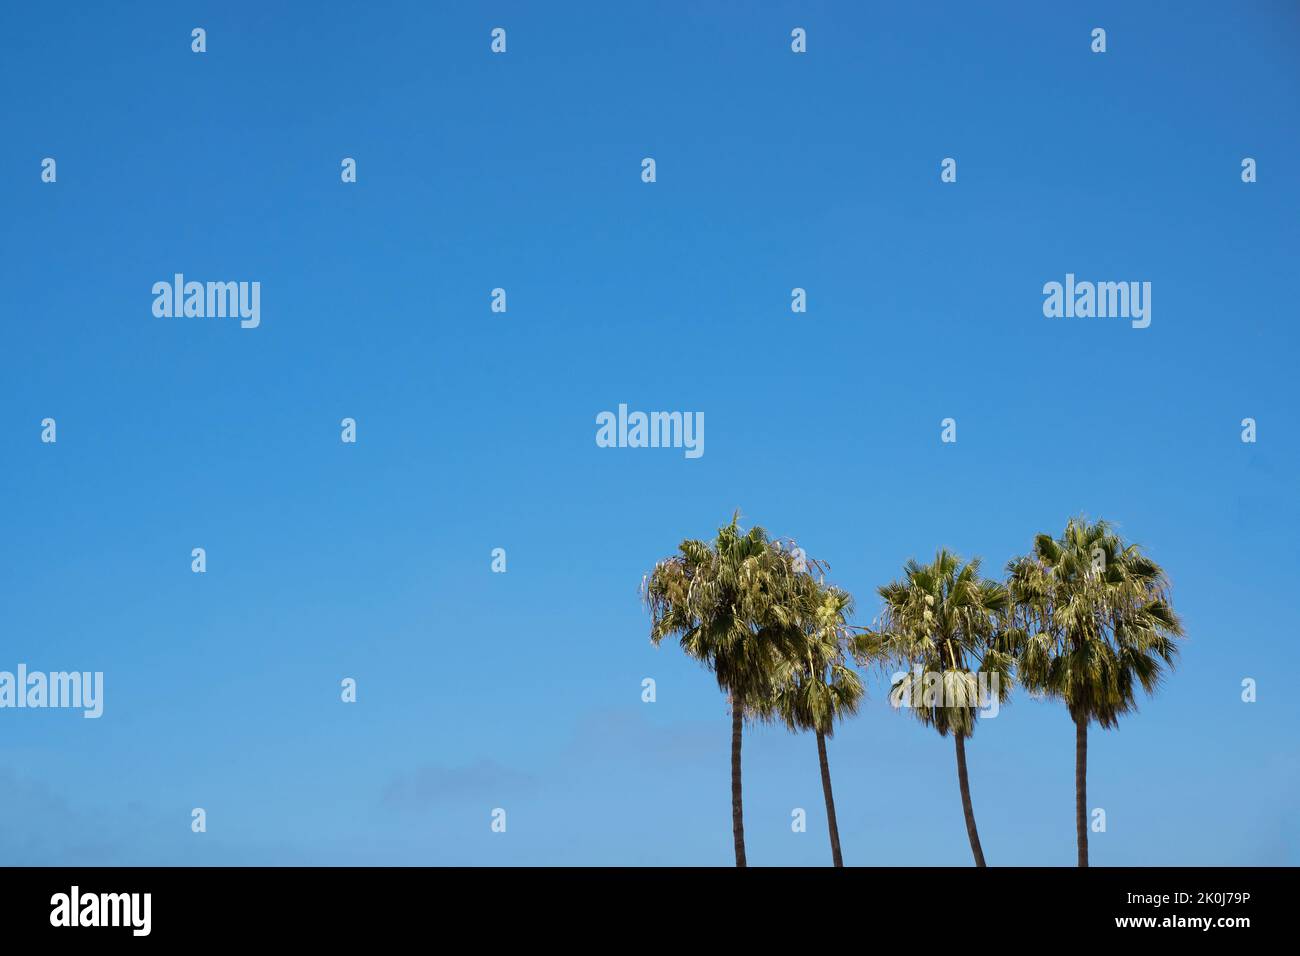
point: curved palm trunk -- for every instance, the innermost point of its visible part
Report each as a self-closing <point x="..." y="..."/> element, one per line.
<point x="737" y="809"/>
<point x="1081" y="787"/>
<point x="964" y="781"/>
<point x="830" y="800"/>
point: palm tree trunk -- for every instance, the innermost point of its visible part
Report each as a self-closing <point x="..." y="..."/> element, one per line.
<point x="964" y="781"/>
<point x="830" y="800"/>
<point x="737" y="808"/>
<point x="1081" y="786"/>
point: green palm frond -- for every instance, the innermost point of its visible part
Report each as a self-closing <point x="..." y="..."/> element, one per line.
<point x="739" y="606"/>
<point x="945" y="623"/>
<point x="1097" y="618"/>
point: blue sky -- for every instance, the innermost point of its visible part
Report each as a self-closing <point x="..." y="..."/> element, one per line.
<point x="476" y="430"/>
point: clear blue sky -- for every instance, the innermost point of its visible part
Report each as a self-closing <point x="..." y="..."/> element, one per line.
<point x="522" y="690"/>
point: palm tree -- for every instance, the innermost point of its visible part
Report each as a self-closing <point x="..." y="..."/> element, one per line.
<point x="943" y="620"/>
<point x="732" y="605"/>
<point x="1093" y="623"/>
<point x="817" y="689"/>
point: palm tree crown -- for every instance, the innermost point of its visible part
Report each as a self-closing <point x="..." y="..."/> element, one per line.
<point x="818" y="689"/>
<point x="1093" y="621"/>
<point x="734" y="606"/>
<point x="943" y="619"/>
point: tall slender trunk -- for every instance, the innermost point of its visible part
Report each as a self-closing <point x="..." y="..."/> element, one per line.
<point x="737" y="808"/>
<point x="964" y="781"/>
<point x="830" y="800"/>
<point x="1081" y="786"/>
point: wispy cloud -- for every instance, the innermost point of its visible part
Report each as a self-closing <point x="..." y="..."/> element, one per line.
<point x="431" y="785"/>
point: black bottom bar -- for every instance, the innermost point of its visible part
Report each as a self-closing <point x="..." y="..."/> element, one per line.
<point x="665" y="905"/>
